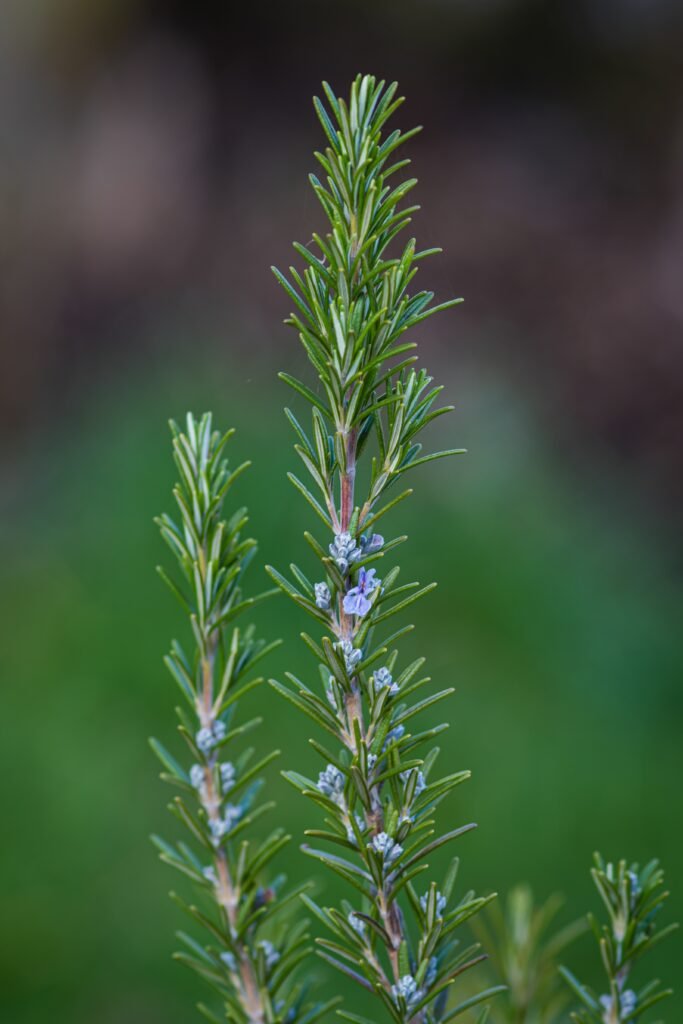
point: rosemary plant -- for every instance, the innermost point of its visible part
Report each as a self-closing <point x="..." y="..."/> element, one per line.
<point x="251" y="952"/>
<point x="377" y="788"/>
<point x="632" y="896"/>
<point x="524" y="956"/>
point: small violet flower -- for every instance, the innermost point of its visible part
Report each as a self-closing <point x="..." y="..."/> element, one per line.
<point x="227" y="770"/>
<point x="432" y="968"/>
<point x="210" y="736"/>
<point x="627" y="1004"/>
<point x="197" y="775"/>
<point x="421" y="783"/>
<point x="331" y="695"/>
<point x="356" y="600"/>
<point x="322" y="596"/>
<point x="356" y="923"/>
<point x="221" y="826"/>
<point x="210" y="875"/>
<point x="344" y="550"/>
<point x="350" y="834"/>
<point x="331" y="783"/>
<point x="352" y="655"/>
<point x="394" y="735"/>
<point x="372" y="543"/>
<point x="407" y="988"/>
<point x="384" y="679"/>
<point x="440" y="903"/>
<point x="387" y="847"/>
<point x="229" y="961"/>
<point x="270" y="953"/>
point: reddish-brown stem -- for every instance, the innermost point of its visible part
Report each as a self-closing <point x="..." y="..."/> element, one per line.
<point x="348" y="479"/>
<point x="388" y="909"/>
<point x="226" y="894"/>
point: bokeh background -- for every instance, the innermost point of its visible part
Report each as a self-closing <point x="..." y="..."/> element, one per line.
<point x="154" y="161"/>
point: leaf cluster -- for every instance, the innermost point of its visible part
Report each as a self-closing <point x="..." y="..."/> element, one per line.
<point x="353" y="303"/>
<point x="524" y="951"/>
<point x="633" y="897"/>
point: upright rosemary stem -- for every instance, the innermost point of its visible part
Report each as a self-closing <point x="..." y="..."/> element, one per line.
<point x="348" y="480"/>
<point x="352" y="307"/>
<point x="251" y="955"/>
<point x="228" y="895"/>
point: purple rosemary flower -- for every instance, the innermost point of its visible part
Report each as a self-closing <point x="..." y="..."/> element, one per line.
<point x="221" y="826"/>
<point x="345" y="550"/>
<point x="210" y="736"/>
<point x="322" y="596"/>
<point x="407" y="987"/>
<point x="352" y="655"/>
<point x="432" y="969"/>
<point x="627" y="1004"/>
<point x="420" y="784"/>
<point x="372" y="543"/>
<point x="356" y="601"/>
<point x="270" y="953"/>
<point x="356" y="923"/>
<point x="210" y="875"/>
<point x="229" y="961"/>
<point x="386" y="847"/>
<point x="440" y="903"/>
<point x="331" y="783"/>
<point x="330" y="694"/>
<point x="227" y="770"/>
<point x="394" y="735"/>
<point x="383" y="678"/>
<point x="361" y="826"/>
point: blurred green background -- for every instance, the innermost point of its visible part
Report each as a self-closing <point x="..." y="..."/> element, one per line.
<point x="156" y="162"/>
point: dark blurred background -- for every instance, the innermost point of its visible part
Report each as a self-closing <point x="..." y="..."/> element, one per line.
<point x="153" y="165"/>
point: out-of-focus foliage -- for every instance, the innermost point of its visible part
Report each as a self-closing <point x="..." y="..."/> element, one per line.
<point x="524" y="944"/>
<point x="139" y="176"/>
<point x="633" y="897"/>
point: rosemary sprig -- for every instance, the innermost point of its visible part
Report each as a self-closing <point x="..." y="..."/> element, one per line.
<point x="352" y="306"/>
<point x="252" y="952"/>
<point x="632" y="896"/>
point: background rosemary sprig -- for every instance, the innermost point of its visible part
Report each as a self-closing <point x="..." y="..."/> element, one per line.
<point x="352" y="307"/>
<point x="251" y="951"/>
<point x="632" y="896"/>
<point x="524" y="951"/>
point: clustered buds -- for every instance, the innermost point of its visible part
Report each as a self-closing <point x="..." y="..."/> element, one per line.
<point x="210" y="736"/>
<point x="406" y="988"/>
<point x="384" y="680"/>
<point x="386" y="847"/>
<point x="331" y="783"/>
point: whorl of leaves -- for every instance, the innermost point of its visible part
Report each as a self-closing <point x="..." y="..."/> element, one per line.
<point x="633" y="897"/>
<point x="524" y="949"/>
<point x="352" y="307"/>
<point x="251" y="951"/>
